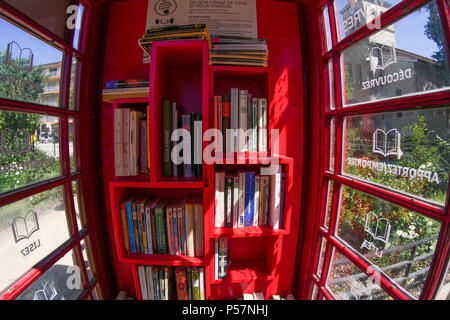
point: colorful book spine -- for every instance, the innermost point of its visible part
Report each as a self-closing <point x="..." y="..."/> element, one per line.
<point x="155" y="274"/>
<point x="262" y="125"/>
<point x="243" y="120"/>
<point x="226" y="121"/>
<point x="130" y="226"/>
<point x="126" y="141"/>
<point x="234" y="115"/>
<point x="229" y="192"/>
<point x="170" y="238"/>
<point x="186" y="124"/>
<point x="180" y="277"/>
<point x="220" y="199"/>
<point x="189" y="282"/>
<point x="235" y="201"/>
<point x="195" y="283"/>
<point x="180" y="230"/>
<point x="202" y="282"/>
<point x="256" y="201"/>
<point x="249" y="198"/>
<point x="123" y="216"/>
<point x="216" y="259"/>
<point x="148" y="227"/>
<point x="136" y="227"/>
<point x="242" y="178"/>
<point x="264" y="186"/>
<point x="118" y="144"/>
<point x="143" y="152"/>
<point x="175" y="230"/>
<point x="254" y="127"/>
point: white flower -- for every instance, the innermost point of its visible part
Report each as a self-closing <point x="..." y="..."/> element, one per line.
<point x="430" y="223"/>
<point x="399" y="232"/>
<point x="404" y="234"/>
<point x="412" y="227"/>
<point x="416" y="235"/>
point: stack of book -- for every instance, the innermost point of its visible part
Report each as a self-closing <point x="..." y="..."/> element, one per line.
<point x="246" y="113"/>
<point x="130" y="142"/>
<point x="248" y="199"/>
<point x="156" y="226"/>
<point x="221" y="257"/>
<point x="181" y="32"/>
<point x="171" y="120"/>
<point x="171" y="283"/>
<point x="238" y="51"/>
<point x="125" y="89"/>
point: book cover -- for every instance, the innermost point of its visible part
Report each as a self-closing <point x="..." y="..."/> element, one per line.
<point x="190" y="228"/>
<point x="149" y="277"/>
<point x="264" y="199"/>
<point x="123" y="217"/>
<point x="180" y="278"/>
<point x="186" y="124"/>
<point x="275" y="197"/>
<point x="243" y="119"/>
<point x="118" y="147"/>
<point x="242" y="180"/>
<point x="166" y="128"/>
<point x="143" y="282"/>
<point x="160" y="210"/>
<point x="195" y="283"/>
<point x="254" y="125"/>
<point x="220" y="200"/>
<point x="137" y="241"/>
<point x="262" y="125"/>
<point x="235" y="201"/>
<point x="126" y="141"/>
<point x="129" y="209"/>
<point x="229" y="201"/>
<point x="256" y="202"/>
<point x="234" y="115"/>
<point x="226" y="121"/>
<point x="249" y="198"/>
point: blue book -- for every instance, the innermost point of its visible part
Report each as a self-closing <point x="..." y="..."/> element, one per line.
<point x="130" y="226"/>
<point x="249" y="198"/>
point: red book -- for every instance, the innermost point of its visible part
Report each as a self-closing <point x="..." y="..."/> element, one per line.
<point x="180" y="278"/>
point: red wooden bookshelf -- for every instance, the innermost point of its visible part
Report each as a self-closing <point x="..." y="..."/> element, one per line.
<point x="262" y="259"/>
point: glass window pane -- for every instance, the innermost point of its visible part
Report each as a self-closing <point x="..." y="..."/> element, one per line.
<point x="348" y="282"/>
<point x="330" y="70"/>
<point x="406" y="151"/>
<point x="78" y="24"/>
<point x="444" y="290"/>
<point x="87" y="258"/>
<point x="329" y="200"/>
<point x="327" y="30"/>
<point x="323" y="247"/>
<point x="314" y="292"/>
<point x="79" y="208"/>
<point x="29" y="149"/>
<point x="30" y="69"/>
<point x="30" y="229"/>
<point x="74" y="85"/>
<point x="332" y="143"/>
<point x="356" y="13"/>
<point x="398" y="241"/>
<point x="406" y="58"/>
<point x="61" y="282"/>
<point x="72" y="144"/>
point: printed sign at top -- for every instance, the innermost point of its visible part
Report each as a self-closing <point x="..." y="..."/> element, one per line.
<point x="222" y="17"/>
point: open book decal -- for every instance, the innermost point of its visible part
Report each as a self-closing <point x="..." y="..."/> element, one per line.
<point x="21" y="59"/>
<point x="387" y="143"/>
<point x="46" y="293"/>
<point x="381" y="57"/>
<point x="379" y="229"/>
<point x="24" y="227"/>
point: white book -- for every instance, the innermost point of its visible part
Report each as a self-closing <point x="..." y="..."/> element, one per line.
<point x="134" y="144"/>
<point x="220" y="200"/>
<point x="234" y="114"/>
<point x="143" y="282"/>
<point x="275" y="200"/>
<point x="254" y="131"/>
<point x="201" y="275"/>
<point x="248" y="296"/>
<point x="235" y="201"/>
<point x="242" y="177"/>
<point x="243" y="120"/>
<point x="174" y="127"/>
<point x="126" y="141"/>
<point x="118" y="148"/>
<point x="149" y="276"/>
<point x="258" y="296"/>
<point x="262" y="125"/>
<point x="216" y="259"/>
<point x="256" y="202"/>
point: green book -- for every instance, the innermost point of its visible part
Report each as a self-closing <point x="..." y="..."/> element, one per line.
<point x="160" y="214"/>
<point x="189" y="282"/>
<point x="195" y="283"/>
<point x="166" y="132"/>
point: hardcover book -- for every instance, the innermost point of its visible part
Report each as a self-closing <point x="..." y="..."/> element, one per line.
<point x="264" y="199"/>
<point x="242" y="181"/>
<point x="234" y="115"/>
<point x="220" y="200"/>
<point x="256" y="202"/>
<point x="180" y="276"/>
<point x="126" y="141"/>
<point x="229" y="192"/>
<point x="118" y="146"/>
<point x="262" y="124"/>
<point x="243" y="119"/>
<point x="249" y="199"/>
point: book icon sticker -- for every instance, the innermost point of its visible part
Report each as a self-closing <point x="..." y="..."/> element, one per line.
<point x="21" y="59"/>
<point x="387" y="143"/>
<point x="378" y="228"/>
<point x="24" y="227"/>
<point x="381" y="57"/>
<point x="46" y="293"/>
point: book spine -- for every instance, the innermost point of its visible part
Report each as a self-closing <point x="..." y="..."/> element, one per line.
<point x="255" y="125"/>
<point x="189" y="211"/>
<point x="216" y="259"/>
<point x="256" y="202"/>
<point x="123" y="216"/>
<point x="249" y="198"/>
<point x="175" y="167"/>
<point x="198" y="209"/>
<point x="143" y="229"/>
<point x="154" y="231"/>
<point x="262" y="124"/>
<point x="136" y="227"/>
<point x="186" y="124"/>
<point x="264" y="200"/>
<point x="234" y="115"/>
<point x="275" y="196"/>
<point x="184" y="229"/>
<point x="159" y="227"/>
<point x="148" y="227"/>
<point x="169" y="230"/>
<point x="220" y="200"/>
<point x="118" y="147"/>
<point x="133" y="143"/>
<point x="235" y="201"/>
<point x="180" y="277"/>
<point x="155" y="273"/>
<point x="180" y="230"/>
<point x="229" y="191"/>
<point x="139" y="227"/>
<point x="243" y="120"/>
<point x="242" y="177"/>
<point x="143" y="282"/>
<point x="126" y="141"/>
<point x="149" y="277"/>
<point x="249" y="122"/>
<point x="130" y="227"/>
<point x="166" y="127"/>
<point x="226" y="121"/>
<point x="189" y="282"/>
<point x="217" y="112"/>
<point x="197" y="142"/>
<point x="201" y="276"/>
<point x="162" y="288"/>
<point x="195" y="283"/>
<point x="179" y="27"/>
<point x="175" y="230"/>
<point x="166" y="282"/>
<point x="143" y="153"/>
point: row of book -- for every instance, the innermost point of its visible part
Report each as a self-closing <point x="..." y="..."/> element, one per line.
<point x="238" y="51"/>
<point x="221" y="258"/>
<point x="172" y="283"/>
<point x="129" y="88"/>
<point x="172" y="118"/>
<point x="168" y="33"/>
<point x="130" y="142"/>
<point x="260" y="296"/>
<point x="158" y="226"/>
<point x="248" y="199"/>
<point x="241" y="110"/>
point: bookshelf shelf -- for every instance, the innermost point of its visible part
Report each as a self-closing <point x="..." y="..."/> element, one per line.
<point x="112" y="97"/>
<point x="246" y="271"/>
<point x="259" y="231"/>
<point x="163" y="259"/>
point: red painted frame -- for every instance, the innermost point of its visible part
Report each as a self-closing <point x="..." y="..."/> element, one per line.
<point x="323" y="116"/>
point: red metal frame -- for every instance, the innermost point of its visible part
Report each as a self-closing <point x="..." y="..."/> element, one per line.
<point x="436" y="272"/>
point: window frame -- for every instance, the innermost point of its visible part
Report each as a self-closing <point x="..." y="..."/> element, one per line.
<point x="325" y="114"/>
<point x="80" y="117"/>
